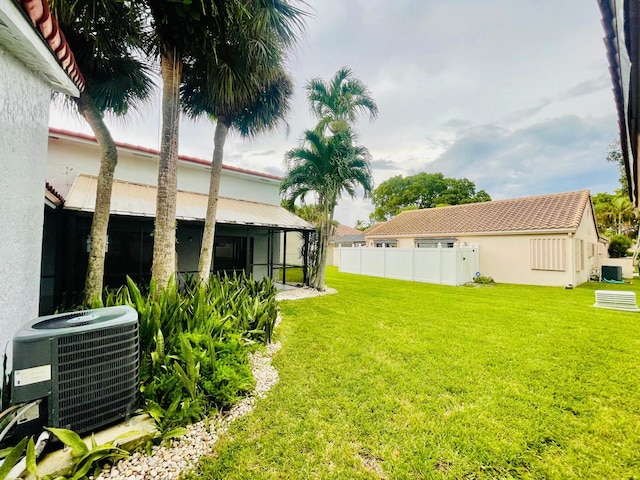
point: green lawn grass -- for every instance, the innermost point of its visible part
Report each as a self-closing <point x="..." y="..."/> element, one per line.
<point x="392" y="379"/>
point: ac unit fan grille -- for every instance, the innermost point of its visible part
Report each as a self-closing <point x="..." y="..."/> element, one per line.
<point x="97" y="377"/>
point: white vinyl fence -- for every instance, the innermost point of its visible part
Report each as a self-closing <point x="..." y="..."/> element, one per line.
<point x="446" y="266"/>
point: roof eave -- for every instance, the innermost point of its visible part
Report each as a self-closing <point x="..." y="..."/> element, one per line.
<point x="20" y="37"/>
<point x="154" y="154"/>
<point x="623" y="55"/>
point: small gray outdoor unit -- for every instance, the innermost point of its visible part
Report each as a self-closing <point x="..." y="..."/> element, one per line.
<point x="82" y="365"/>
<point x="612" y="272"/>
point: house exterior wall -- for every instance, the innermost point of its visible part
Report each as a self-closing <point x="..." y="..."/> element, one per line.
<point x="507" y="257"/>
<point x="24" y="115"/>
<point x="588" y="257"/>
<point x="69" y="158"/>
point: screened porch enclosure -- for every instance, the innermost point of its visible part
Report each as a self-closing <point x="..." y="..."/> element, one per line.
<point x="257" y="251"/>
<point x="258" y="239"/>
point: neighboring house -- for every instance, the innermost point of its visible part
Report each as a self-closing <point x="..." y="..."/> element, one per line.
<point x="339" y="236"/>
<point x="541" y="240"/>
<point x="35" y="61"/>
<point x="251" y="232"/>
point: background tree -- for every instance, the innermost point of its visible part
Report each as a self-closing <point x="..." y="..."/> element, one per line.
<point x="328" y="161"/>
<point x="614" y="155"/>
<point x="326" y="166"/>
<point x="619" y="245"/>
<point x="107" y="39"/>
<point x="614" y="214"/>
<point x="423" y="190"/>
<point x="362" y="225"/>
<point x="340" y="100"/>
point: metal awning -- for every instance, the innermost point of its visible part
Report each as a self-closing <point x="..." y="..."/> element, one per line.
<point x="138" y="200"/>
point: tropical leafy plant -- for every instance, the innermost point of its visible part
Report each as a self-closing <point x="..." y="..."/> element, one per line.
<point x="85" y="459"/>
<point x="194" y="342"/>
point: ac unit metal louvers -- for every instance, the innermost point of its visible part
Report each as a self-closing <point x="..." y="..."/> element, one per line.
<point x="94" y="377"/>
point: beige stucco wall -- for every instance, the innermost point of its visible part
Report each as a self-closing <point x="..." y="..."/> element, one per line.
<point x="69" y="158"/>
<point x="507" y="257"/>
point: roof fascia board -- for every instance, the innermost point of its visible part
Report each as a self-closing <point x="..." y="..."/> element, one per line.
<point x="18" y="34"/>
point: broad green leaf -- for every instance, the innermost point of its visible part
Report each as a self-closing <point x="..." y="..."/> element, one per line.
<point x="72" y="440"/>
<point x="31" y="458"/>
<point x="13" y="458"/>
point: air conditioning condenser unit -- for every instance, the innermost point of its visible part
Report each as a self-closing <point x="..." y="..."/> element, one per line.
<point x="84" y="366"/>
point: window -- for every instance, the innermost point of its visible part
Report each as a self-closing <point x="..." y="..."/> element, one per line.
<point x="548" y="254"/>
<point x="433" y="242"/>
<point x="386" y="243"/>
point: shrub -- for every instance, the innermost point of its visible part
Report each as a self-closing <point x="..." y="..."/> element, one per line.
<point x="483" y="280"/>
<point x="618" y="246"/>
<point x="194" y="343"/>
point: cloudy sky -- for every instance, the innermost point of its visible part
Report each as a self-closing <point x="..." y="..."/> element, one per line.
<point x="513" y="95"/>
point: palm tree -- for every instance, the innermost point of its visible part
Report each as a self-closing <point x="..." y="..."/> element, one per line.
<point x="341" y="99"/>
<point x="263" y="109"/>
<point x="106" y="38"/>
<point x="176" y="26"/>
<point x="326" y="166"/>
<point x="183" y="29"/>
<point x="242" y="87"/>
<point x="614" y="212"/>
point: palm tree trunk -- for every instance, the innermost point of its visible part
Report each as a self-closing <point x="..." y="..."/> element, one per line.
<point x="164" y="236"/>
<point x="100" y="221"/>
<point x="325" y="233"/>
<point x="208" y="235"/>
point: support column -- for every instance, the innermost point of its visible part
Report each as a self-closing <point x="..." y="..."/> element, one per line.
<point x="284" y="258"/>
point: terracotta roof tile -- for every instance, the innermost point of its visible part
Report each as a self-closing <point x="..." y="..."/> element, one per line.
<point x="373" y="228"/>
<point x="343" y="230"/>
<point x="560" y="211"/>
<point x="41" y="18"/>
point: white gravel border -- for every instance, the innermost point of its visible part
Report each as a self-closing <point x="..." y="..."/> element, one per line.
<point x="304" y="292"/>
<point x="183" y="453"/>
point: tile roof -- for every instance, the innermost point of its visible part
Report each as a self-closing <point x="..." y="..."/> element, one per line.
<point x="373" y="228"/>
<point x="342" y="230"/>
<point x="560" y="211"/>
<point x="52" y="194"/>
<point x="40" y="16"/>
